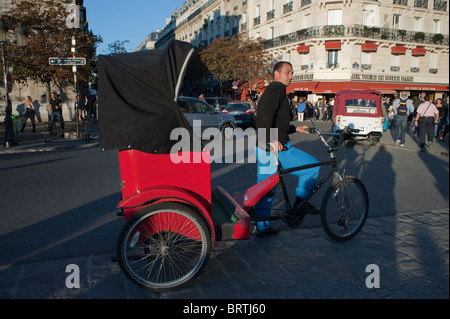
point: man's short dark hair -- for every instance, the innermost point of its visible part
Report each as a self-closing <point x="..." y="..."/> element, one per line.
<point x="279" y="65"/>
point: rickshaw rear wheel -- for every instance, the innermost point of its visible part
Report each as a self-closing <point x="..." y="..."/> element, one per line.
<point x="164" y="246"/>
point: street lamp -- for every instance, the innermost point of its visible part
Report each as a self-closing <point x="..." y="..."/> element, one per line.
<point x="22" y="41"/>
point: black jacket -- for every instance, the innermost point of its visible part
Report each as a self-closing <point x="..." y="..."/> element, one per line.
<point x="274" y="112"/>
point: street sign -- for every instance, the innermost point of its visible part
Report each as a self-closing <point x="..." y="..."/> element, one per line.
<point x="235" y="85"/>
<point x="67" y="61"/>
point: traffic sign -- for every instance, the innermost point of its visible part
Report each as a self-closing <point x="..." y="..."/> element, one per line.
<point x="67" y="61"/>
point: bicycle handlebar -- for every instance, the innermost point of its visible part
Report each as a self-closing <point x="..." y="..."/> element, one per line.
<point x="312" y="130"/>
<point x="342" y="136"/>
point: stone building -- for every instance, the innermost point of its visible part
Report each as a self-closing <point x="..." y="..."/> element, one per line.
<point x="388" y="45"/>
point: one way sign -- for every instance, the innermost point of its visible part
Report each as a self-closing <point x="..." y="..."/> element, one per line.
<point x="67" y="61"/>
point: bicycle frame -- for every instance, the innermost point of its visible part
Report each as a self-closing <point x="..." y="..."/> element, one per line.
<point x="333" y="171"/>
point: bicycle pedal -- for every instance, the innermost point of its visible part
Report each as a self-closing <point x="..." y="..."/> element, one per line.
<point x="293" y="217"/>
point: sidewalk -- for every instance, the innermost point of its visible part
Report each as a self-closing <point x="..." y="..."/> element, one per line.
<point x="41" y="141"/>
<point x="410" y="251"/>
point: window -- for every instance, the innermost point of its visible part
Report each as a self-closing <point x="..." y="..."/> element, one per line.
<point x="433" y="60"/>
<point x="183" y="106"/>
<point x="395" y="65"/>
<point x="271" y="5"/>
<point x="334" y="17"/>
<point x="360" y="106"/>
<point x="417" y="24"/>
<point x="436" y="27"/>
<point x="396" y="22"/>
<point x="200" y="107"/>
<point x="370" y="16"/>
<point x="415" y="64"/>
<point x="307" y="21"/>
<point x="333" y="58"/>
<point x="365" y="61"/>
<point x="258" y="11"/>
<point x="305" y="61"/>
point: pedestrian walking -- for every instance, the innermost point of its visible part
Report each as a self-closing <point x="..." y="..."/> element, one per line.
<point x="301" y="106"/>
<point x="30" y="113"/>
<point x="56" y="107"/>
<point x="402" y="108"/>
<point x="442" y="117"/>
<point x="427" y="116"/>
<point x="419" y="101"/>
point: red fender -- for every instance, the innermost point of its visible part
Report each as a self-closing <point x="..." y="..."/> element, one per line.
<point x="163" y="193"/>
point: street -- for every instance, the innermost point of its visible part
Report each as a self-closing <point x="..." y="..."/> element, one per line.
<point x="61" y="205"/>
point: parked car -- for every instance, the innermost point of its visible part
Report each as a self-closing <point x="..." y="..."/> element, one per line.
<point x="242" y="112"/>
<point x="196" y="109"/>
<point x="218" y="103"/>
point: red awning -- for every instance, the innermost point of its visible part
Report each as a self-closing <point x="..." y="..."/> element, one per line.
<point x="383" y="87"/>
<point x="419" y="51"/>
<point x="332" y="45"/>
<point x="330" y="87"/>
<point x="369" y="47"/>
<point x="301" y="86"/>
<point x="398" y="49"/>
<point x="303" y="49"/>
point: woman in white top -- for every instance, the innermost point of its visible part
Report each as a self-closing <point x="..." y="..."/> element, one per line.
<point x="30" y="113"/>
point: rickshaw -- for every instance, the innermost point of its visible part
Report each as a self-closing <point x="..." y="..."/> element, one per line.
<point x="172" y="217"/>
<point x="359" y="109"/>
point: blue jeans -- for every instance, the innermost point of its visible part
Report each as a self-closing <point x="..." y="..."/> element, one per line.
<point x="400" y="128"/>
<point x="292" y="157"/>
<point x="56" y="116"/>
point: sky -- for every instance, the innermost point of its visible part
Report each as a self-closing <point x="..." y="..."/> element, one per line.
<point x="130" y="20"/>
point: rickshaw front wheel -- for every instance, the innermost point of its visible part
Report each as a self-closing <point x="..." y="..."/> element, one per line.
<point x="164" y="246"/>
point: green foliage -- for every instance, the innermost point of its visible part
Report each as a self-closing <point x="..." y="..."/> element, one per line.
<point x="48" y="37"/>
<point x="236" y="58"/>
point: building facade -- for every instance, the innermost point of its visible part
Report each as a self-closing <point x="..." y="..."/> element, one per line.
<point x="388" y="45"/>
<point x="38" y="90"/>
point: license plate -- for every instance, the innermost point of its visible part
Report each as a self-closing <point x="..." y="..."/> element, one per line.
<point x="239" y="121"/>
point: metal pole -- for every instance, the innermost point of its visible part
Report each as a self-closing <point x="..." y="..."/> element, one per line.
<point x="10" y="136"/>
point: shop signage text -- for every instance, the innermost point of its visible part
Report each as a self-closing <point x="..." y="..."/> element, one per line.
<point x="387" y="78"/>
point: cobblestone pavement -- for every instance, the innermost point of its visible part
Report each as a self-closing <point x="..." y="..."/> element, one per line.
<point x="410" y="252"/>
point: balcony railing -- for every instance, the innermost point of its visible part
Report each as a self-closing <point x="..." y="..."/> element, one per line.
<point x="395" y="68"/>
<point x="358" y="31"/>
<point x="257" y="21"/>
<point x="305" y="2"/>
<point x="434" y="71"/>
<point x="332" y="65"/>
<point x="271" y="14"/>
<point x="440" y="5"/>
<point x="288" y="7"/>
<point x="401" y="2"/>
<point x="421" y="4"/>
<point x="414" y="69"/>
<point x="366" y="66"/>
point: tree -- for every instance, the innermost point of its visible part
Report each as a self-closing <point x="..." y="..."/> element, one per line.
<point x="237" y="58"/>
<point x="48" y="37"/>
<point x="251" y="62"/>
<point x="218" y="59"/>
<point x="117" y="47"/>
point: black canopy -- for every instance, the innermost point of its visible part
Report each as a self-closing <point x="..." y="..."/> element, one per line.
<point x="137" y="98"/>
